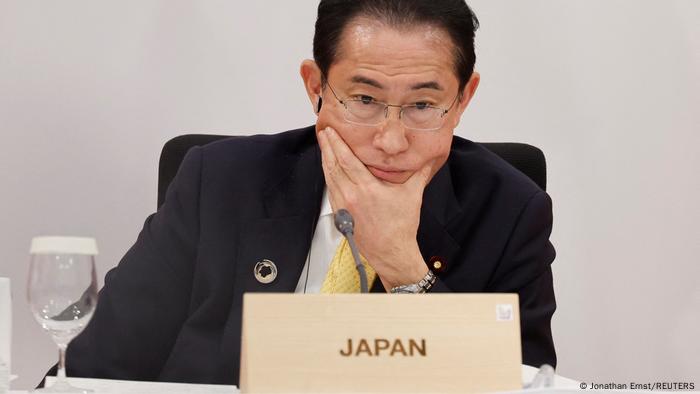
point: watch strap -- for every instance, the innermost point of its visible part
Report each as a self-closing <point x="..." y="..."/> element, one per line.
<point x="423" y="286"/>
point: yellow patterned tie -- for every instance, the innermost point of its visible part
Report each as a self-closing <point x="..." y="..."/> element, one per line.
<point x="342" y="276"/>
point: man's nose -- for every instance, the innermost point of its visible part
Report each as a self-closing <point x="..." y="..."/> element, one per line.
<point x="391" y="134"/>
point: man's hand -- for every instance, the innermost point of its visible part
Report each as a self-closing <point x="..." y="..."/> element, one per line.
<point x="386" y="215"/>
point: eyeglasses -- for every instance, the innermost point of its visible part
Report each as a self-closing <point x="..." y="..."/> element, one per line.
<point x="366" y="111"/>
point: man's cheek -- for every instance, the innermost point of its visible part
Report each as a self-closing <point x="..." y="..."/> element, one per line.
<point x="328" y="118"/>
<point x="355" y="140"/>
<point x="321" y="122"/>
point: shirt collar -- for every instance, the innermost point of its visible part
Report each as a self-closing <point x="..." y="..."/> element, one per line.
<point x="326" y="208"/>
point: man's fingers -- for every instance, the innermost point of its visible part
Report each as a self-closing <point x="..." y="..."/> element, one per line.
<point x="336" y="179"/>
<point x="327" y="155"/>
<point x="329" y="160"/>
<point x="421" y="178"/>
<point x="356" y="171"/>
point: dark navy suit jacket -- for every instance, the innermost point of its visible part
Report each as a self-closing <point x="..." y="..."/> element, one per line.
<point x="171" y="309"/>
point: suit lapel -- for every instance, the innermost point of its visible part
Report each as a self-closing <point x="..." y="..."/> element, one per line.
<point x="283" y="236"/>
<point x="440" y="206"/>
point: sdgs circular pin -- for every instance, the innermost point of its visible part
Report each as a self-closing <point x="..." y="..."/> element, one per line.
<point x="265" y="271"/>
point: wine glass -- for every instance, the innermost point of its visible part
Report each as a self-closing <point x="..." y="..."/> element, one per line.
<point x="62" y="293"/>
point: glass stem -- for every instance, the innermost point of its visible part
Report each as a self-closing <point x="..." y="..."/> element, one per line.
<point x="61" y="372"/>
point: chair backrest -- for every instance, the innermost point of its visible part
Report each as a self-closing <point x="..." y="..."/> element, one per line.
<point x="527" y="158"/>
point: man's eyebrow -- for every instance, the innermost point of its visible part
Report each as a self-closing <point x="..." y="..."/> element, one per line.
<point x="371" y="82"/>
<point x="427" y="85"/>
<point x="366" y="81"/>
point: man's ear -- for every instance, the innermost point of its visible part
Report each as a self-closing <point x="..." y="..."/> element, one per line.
<point x="467" y="95"/>
<point x="311" y="75"/>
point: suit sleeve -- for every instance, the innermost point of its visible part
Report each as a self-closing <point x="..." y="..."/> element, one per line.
<point x="145" y="299"/>
<point x="525" y="269"/>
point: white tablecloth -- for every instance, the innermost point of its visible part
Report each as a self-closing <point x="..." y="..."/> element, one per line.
<point x="129" y="387"/>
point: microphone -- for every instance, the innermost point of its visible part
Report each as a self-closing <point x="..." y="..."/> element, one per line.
<point x="345" y="224"/>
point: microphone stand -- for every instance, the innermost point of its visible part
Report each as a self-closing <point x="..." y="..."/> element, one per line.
<point x="345" y="224"/>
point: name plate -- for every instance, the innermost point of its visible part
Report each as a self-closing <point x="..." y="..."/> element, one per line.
<point x="380" y="343"/>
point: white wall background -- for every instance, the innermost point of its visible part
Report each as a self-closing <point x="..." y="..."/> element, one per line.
<point x="609" y="89"/>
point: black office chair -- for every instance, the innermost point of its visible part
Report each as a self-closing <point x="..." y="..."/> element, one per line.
<point x="526" y="158"/>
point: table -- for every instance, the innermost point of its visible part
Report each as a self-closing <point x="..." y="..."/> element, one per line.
<point x="561" y="384"/>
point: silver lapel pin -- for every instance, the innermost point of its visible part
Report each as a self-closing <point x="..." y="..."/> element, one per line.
<point x="265" y="271"/>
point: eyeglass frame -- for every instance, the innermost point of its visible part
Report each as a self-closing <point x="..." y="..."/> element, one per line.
<point x="386" y="110"/>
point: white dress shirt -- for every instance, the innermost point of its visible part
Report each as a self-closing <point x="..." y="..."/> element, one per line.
<point x="323" y="246"/>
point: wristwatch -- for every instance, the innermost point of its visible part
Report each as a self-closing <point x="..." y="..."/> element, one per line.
<point x="423" y="286"/>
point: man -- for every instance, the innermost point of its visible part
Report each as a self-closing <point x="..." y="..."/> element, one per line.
<point x="389" y="82"/>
